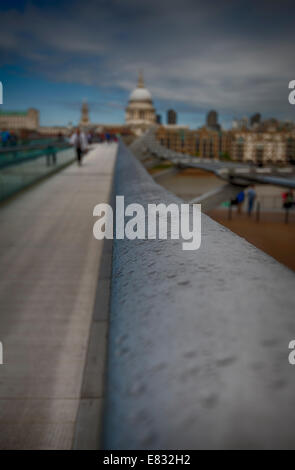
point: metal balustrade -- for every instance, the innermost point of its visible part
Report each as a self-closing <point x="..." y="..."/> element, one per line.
<point x="24" y="168"/>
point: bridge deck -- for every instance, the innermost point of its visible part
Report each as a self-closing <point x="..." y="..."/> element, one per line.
<point x="49" y="264"/>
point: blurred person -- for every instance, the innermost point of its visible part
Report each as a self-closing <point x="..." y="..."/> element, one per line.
<point x="240" y="201"/>
<point x="13" y="139"/>
<point x="89" y="138"/>
<point x="251" y="199"/>
<point x="79" y="141"/>
<point x="5" y="138"/>
<point x="50" y="155"/>
<point x="288" y="199"/>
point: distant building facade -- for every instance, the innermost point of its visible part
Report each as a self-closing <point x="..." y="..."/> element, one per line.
<point x="171" y="117"/>
<point x="84" y="121"/>
<point x="211" y="143"/>
<point x="178" y="138"/>
<point x="212" y="120"/>
<point x="272" y="147"/>
<point x="54" y="130"/>
<point x="140" y="111"/>
<point x="255" y="120"/>
<point x="240" y="123"/>
<point x="20" y="120"/>
<point x="159" y="119"/>
<point x="204" y="142"/>
<point x="267" y="142"/>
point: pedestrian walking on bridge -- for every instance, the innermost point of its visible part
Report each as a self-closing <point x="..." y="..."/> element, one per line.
<point x="79" y="141"/>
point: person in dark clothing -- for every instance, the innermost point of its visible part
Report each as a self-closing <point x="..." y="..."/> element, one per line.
<point x="288" y="199"/>
<point x="50" y="155"/>
<point x="79" y="149"/>
<point x="251" y="199"/>
<point x="79" y="141"/>
<point x="240" y="201"/>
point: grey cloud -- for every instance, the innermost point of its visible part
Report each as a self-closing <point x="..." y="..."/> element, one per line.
<point x="234" y="56"/>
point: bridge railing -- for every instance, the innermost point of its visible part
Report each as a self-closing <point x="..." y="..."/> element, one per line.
<point x="19" y="169"/>
<point x="198" y="344"/>
<point x="14" y="154"/>
<point x="234" y="172"/>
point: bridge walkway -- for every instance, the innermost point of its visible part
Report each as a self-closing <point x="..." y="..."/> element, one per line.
<point x="50" y="265"/>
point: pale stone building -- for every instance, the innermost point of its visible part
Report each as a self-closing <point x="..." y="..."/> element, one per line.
<point x="261" y="147"/>
<point x="84" y="121"/>
<point x="140" y="112"/>
<point x="204" y="142"/>
<point x="18" y="120"/>
<point x="54" y="130"/>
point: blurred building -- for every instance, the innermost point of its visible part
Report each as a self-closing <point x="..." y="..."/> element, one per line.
<point x="240" y="123"/>
<point x="212" y="120"/>
<point x="269" y="125"/>
<point x="140" y="112"/>
<point x="159" y="119"/>
<point x="20" y="120"/>
<point x="204" y="142"/>
<point x="271" y="143"/>
<point x="255" y="120"/>
<point x="176" y="138"/>
<point x="54" y="130"/>
<point x="290" y="148"/>
<point x="263" y="147"/>
<point x="84" y="121"/>
<point x="171" y="116"/>
<point x="212" y="143"/>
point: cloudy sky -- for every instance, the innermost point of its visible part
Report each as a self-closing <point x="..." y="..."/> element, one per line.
<point x="234" y="56"/>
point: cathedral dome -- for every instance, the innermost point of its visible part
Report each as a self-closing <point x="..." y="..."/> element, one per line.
<point x="140" y="112"/>
<point x="140" y="93"/>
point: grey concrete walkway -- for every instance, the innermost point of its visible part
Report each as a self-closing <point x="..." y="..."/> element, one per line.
<point x="50" y="263"/>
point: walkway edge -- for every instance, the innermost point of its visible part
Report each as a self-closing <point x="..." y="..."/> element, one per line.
<point x="88" y="426"/>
